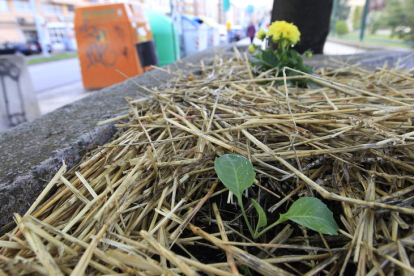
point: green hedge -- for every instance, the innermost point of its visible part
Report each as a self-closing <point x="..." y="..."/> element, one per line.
<point x="341" y="28"/>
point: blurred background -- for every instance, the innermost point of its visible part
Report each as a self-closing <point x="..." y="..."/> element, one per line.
<point x="75" y="47"/>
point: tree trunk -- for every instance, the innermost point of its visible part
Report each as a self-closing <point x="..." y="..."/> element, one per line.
<point x="310" y="16"/>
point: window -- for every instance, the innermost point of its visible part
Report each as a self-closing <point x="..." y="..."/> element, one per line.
<point x="4" y="6"/>
<point x="57" y="35"/>
<point x="30" y="36"/>
<point x="22" y="6"/>
<point x="49" y="8"/>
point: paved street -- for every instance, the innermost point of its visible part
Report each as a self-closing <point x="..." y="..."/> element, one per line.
<point x="53" y="74"/>
<point x="57" y="83"/>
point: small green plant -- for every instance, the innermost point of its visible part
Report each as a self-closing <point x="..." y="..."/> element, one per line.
<point x="279" y="53"/>
<point x="237" y="174"/>
<point x="341" y="28"/>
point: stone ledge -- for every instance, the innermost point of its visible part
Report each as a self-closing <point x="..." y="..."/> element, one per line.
<point x="33" y="152"/>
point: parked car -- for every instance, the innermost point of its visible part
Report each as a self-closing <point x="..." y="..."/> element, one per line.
<point x="39" y="47"/>
<point x="26" y="49"/>
<point x="7" y="49"/>
<point x="236" y="33"/>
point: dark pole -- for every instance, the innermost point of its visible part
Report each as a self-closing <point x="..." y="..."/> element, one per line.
<point x="364" y="19"/>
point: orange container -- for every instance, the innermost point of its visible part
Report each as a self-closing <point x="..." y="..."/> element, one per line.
<point x="108" y="38"/>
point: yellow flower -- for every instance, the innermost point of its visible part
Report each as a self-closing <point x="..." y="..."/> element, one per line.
<point x="280" y="30"/>
<point x="261" y="34"/>
<point x="252" y="48"/>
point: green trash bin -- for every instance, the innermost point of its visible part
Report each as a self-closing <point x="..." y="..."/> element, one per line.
<point x="165" y="37"/>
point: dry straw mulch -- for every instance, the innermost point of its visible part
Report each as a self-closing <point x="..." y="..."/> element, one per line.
<point x="150" y="203"/>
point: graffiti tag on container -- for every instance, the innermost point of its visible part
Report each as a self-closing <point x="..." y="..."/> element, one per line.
<point x="92" y="31"/>
<point x="101" y="54"/>
<point x="98" y="51"/>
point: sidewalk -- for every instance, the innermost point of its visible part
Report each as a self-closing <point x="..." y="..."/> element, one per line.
<point x="330" y="48"/>
<point x="366" y="45"/>
<point x="334" y="48"/>
<point x="57" y="97"/>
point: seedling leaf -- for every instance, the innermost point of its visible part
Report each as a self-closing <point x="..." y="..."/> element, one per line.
<point x="236" y="172"/>
<point x="262" y="222"/>
<point x="246" y="270"/>
<point x="313" y="214"/>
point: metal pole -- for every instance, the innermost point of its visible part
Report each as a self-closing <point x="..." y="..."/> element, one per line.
<point x="334" y="16"/>
<point x="364" y="19"/>
<point x="220" y="12"/>
<point x="39" y="28"/>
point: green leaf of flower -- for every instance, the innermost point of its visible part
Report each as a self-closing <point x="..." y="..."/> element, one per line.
<point x="256" y="59"/>
<point x="269" y="58"/>
<point x="262" y="222"/>
<point x="313" y="214"/>
<point x="236" y="172"/>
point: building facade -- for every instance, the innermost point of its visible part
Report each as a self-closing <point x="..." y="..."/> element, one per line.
<point x="17" y="21"/>
<point x="17" y="17"/>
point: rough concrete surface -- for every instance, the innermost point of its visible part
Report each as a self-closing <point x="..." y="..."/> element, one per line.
<point x="33" y="152"/>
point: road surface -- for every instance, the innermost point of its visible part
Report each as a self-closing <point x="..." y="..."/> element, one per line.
<point x="57" y="83"/>
<point x="53" y="74"/>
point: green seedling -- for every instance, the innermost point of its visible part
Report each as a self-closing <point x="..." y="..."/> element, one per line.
<point x="237" y="174"/>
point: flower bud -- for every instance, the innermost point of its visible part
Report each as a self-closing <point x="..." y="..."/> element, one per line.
<point x="261" y="34"/>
